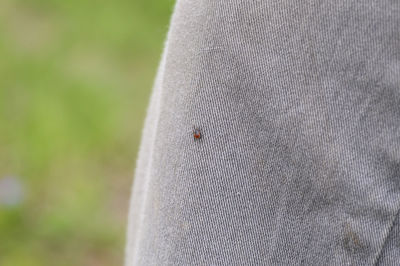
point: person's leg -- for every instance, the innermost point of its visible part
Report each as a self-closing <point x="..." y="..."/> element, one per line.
<point x="296" y="105"/>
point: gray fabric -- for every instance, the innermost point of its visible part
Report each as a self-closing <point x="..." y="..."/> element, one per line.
<point x="298" y="105"/>
<point x="390" y="254"/>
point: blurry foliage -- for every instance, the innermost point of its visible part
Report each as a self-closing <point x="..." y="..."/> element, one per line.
<point x="75" y="78"/>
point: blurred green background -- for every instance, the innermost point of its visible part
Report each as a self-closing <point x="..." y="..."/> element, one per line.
<point x="75" y="80"/>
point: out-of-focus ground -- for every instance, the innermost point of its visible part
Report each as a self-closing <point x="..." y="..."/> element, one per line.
<point x="75" y="79"/>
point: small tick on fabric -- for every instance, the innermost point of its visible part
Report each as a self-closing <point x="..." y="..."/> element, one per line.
<point x="196" y="133"/>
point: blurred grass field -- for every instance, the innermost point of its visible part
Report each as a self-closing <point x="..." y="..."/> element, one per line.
<point x="75" y="79"/>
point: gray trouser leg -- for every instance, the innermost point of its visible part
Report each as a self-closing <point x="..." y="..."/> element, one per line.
<point x="272" y="137"/>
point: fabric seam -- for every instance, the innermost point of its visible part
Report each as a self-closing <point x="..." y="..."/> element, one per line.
<point x="380" y="251"/>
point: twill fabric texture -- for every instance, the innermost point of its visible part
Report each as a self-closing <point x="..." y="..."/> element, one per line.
<point x="298" y="163"/>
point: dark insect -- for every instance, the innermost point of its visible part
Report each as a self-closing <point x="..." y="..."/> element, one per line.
<point x="196" y="133"/>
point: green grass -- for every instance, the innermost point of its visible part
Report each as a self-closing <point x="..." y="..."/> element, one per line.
<point x="75" y="78"/>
